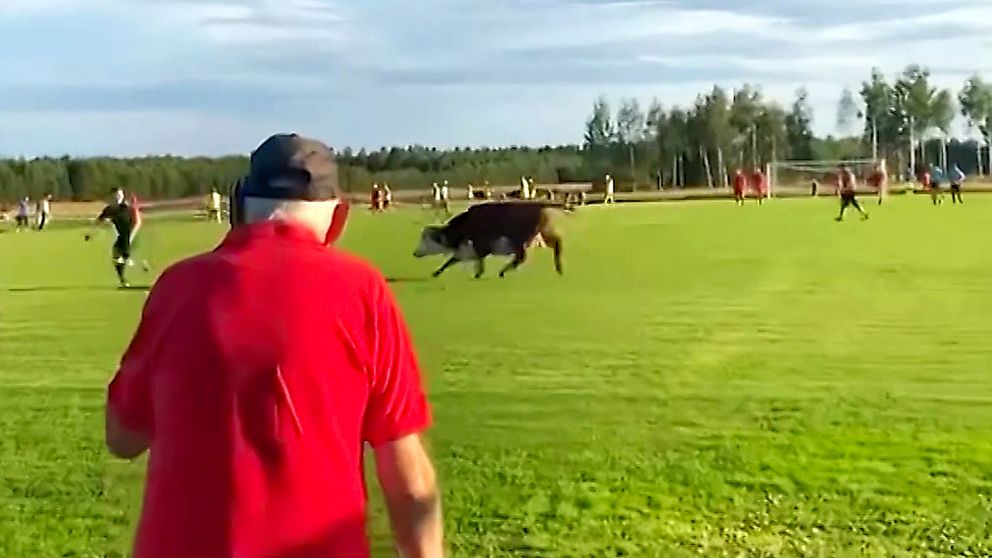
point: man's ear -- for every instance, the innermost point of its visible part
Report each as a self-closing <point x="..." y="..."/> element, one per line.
<point x="338" y="222"/>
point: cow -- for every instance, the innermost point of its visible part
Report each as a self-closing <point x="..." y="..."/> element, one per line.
<point x="493" y="228"/>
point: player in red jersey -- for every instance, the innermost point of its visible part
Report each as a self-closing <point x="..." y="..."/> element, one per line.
<point x="879" y="180"/>
<point x="759" y="183"/>
<point x="740" y="186"/>
<point x="376" y="200"/>
<point x="846" y="186"/>
<point x="925" y="181"/>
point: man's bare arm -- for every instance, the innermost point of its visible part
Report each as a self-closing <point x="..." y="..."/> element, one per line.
<point x="410" y="486"/>
<point x="123" y="443"/>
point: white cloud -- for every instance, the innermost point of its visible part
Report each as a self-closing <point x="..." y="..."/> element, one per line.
<point x="15" y="8"/>
<point x="440" y="71"/>
<point x="261" y="21"/>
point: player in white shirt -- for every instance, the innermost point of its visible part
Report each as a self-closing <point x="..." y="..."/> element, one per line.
<point x="445" y="197"/>
<point x="213" y="205"/>
<point x="388" y="196"/>
<point x="610" y="196"/>
<point x="44" y="211"/>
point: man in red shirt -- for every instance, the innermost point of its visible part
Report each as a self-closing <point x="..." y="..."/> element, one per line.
<point x="879" y="180"/>
<point x="740" y="186"/>
<point x="759" y="184"/>
<point x="258" y="372"/>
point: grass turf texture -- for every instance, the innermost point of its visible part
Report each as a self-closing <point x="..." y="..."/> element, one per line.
<point x="706" y="379"/>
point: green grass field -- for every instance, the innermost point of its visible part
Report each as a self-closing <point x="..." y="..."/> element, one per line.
<point x="705" y="380"/>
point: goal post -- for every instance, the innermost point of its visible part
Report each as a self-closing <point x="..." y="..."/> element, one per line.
<point x="795" y="176"/>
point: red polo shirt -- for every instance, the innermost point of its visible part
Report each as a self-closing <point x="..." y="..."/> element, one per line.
<point x="258" y="370"/>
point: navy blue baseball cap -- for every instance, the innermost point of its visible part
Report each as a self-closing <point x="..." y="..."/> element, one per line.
<point x="292" y="167"/>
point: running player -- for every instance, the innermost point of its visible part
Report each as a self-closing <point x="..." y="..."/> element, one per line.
<point x="879" y="180"/>
<point x="740" y="186"/>
<point x="957" y="179"/>
<point x="376" y="200"/>
<point x="846" y="187"/>
<point x="44" y="211"/>
<point x="610" y="186"/>
<point x="925" y="181"/>
<point x="759" y="184"/>
<point x="23" y="218"/>
<point x="213" y="205"/>
<point x="387" y="196"/>
<point x="936" y="182"/>
<point x="126" y="221"/>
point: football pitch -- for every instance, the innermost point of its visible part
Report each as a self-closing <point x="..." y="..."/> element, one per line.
<point x="704" y="380"/>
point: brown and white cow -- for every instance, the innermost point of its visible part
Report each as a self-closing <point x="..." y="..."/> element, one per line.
<point x="495" y="228"/>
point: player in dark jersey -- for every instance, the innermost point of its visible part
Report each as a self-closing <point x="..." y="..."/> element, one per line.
<point x="846" y="184"/>
<point x="124" y="220"/>
<point x="936" y="182"/>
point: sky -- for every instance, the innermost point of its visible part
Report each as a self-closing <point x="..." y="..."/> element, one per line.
<point x="211" y="77"/>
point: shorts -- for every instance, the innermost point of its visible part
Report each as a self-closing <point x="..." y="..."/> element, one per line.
<point x="123" y="247"/>
<point x="935" y="187"/>
<point x="956" y="188"/>
<point x="847" y="198"/>
<point x="21" y="220"/>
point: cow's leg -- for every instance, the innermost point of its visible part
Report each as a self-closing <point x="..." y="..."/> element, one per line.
<point x="556" y="244"/>
<point x="519" y="257"/>
<point x="480" y="266"/>
<point x="451" y="261"/>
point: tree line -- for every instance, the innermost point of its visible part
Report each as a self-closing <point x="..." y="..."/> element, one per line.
<point x="906" y="120"/>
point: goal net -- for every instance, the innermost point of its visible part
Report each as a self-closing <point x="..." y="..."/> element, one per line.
<point x="817" y="177"/>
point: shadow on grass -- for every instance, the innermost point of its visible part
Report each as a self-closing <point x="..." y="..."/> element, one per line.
<point x="407" y="279"/>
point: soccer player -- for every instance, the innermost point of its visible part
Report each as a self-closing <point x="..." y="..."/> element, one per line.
<point x="126" y="221"/>
<point x="846" y="186"/>
<point x="376" y="202"/>
<point x="740" y="186"/>
<point x="213" y="205"/>
<point x="42" y="211"/>
<point x="936" y="175"/>
<point x="925" y="181"/>
<point x="23" y="217"/>
<point x="759" y="183"/>
<point x="879" y="180"/>
<point x="387" y="196"/>
<point x="445" y="197"/>
<point x="957" y="179"/>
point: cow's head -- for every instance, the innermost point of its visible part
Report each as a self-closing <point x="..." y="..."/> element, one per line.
<point x="432" y="242"/>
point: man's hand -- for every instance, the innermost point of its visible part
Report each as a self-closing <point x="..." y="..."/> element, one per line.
<point x="408" y="481"/>
<point x="123" y="443"/>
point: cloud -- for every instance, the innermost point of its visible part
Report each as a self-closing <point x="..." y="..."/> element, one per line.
<point x="445" y="71"/>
